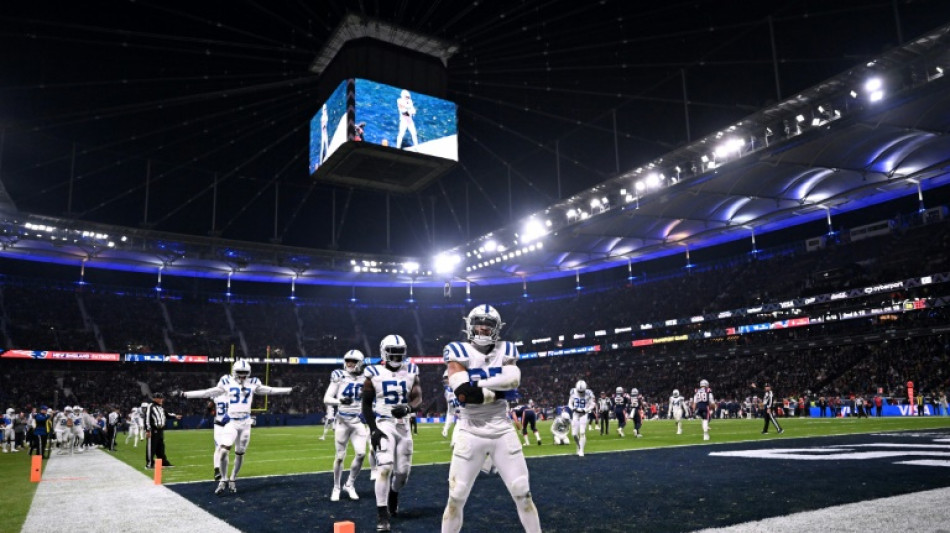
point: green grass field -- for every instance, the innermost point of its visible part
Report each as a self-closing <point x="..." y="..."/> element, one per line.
<point x="297" y="449"/>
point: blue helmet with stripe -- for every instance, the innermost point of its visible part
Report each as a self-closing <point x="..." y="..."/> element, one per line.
<point x="481" y="320"/>
<point x="393" y="350"/>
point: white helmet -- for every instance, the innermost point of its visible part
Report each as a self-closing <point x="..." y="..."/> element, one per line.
<point x="67" y="409"/>
<point x="634" y="392"/>
<point x="619" y="390"/>
<point x="703" y="383"/>
<point x="393" y="350"/>
<point x="144" y="405"/>
<point x="565" y="415"/>
<point x="77" y="409"/>
<point x="676" y="393"/>
<point x="241" y="371"/>
<point x="405" y="94"/>
<point x="353" y="362"/>
<point x="483" y="315"/>
<point x="10" y="411"/>
<point x="581" y="386"/>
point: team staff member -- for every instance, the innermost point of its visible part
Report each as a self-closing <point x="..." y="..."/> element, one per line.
<point x="40" y="441"/>
<point x="155" y="431"/>
<point x="768" y="402"/>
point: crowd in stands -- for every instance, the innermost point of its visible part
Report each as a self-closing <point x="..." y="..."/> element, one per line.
<point x="840" y="362"/>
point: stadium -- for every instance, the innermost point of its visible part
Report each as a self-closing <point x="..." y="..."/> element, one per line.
<point x="651" y="196"/>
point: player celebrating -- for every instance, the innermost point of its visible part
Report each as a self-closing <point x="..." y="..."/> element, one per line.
<point x="483" y="373"/>
<point x="676" y="410"/>
<point x="135" y="422"/>
<point x="239" y="388"/>
<point x="390" y="392"/>
<point x="345" y="391"/>
<point x="452" y="407"/>
<point x="703" y="403"/>
<point x="581" y="401"/>
<point x="560" y="428"/>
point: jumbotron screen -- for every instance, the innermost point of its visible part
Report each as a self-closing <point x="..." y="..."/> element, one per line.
<point x="386" y="116"/>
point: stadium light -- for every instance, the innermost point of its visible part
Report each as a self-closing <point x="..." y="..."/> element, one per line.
<point x="491" y="245"/>
<point x="444" y="263"/>
<point x="533" y="229"/>
<point x="411" y="266"/>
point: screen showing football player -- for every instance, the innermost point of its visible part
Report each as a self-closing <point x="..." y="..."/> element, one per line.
<point x="391" y="391"/>
<point x="484" y="375"/>
<point x="581" y="402"/>
<point x="345" y="393"/>
<point x="240" y="388"/>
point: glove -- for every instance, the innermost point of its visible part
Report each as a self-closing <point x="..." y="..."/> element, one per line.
<point x="346" y="400"/>
<point x="376" y="437"/>
<point x="400" y="410"/>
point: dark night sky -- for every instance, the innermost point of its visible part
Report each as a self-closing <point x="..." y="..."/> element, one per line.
<point x="220" y="88"/>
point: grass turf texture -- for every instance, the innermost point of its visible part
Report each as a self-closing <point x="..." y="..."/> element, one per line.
<point x="276" y="451"/>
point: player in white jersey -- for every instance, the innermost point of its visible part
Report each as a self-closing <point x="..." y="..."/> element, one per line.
<point x="676" y="410"/>
<point x="142" y="420"/>
<point x="561" y="427"/>
<point x="76" y="435"/>
<point x="581" y="402"/>
<point x="483" y="375"/>
<point x="239" y="388"/>
<point x="135" y="423"/>
<point x="703" y="405"/>
<point x="345" y="392"/>
<point x="329" y="420"/>
<point x="391" y="391"/>
<point x="452" y="410"/>
<point x="61" y="428"/>
<point x="221" y="404"/>
<point x="6" y="431"/>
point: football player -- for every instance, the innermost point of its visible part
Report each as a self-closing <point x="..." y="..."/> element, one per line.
<point x="636" y="411"/>
<point x="703" y="404"/>
<point x="621" y="405"/>
<point x="525" y="416"/>
<point x="328" y="421"/>
<point x="62" y="428"/>
<point x="561" y="427"/>
<point x="220" y="403"/>
<point x="345" y="393"/>
<point x="581" y="402"/>
<point x="483" y="374"/>
<point x="6" y="431"/>
<point x="453" y="408"/>
<point x="239" y="389"/>
<point x="135" y="422"/>
<point x="676" y="410"/>
<point x="391" y="391"/>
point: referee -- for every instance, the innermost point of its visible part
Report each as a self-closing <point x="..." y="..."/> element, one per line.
<point x="768" y="401"/>
<point x="155" y="432"/>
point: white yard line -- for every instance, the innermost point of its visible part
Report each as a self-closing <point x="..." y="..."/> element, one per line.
<point x="101" y="493"/>
<point x="918" y="511"/>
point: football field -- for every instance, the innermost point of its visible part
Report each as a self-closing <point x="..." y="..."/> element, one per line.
<point x="664" y="481"/>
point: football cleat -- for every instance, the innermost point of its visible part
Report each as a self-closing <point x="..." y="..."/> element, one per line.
<point x="217" y="473"/>
<point x="222" y="487"/>
<point x="335" y="495"/>
<point x="706" y="436"/>
<point x="382" y="519"/>
<point x="232" y="486"/>
<point x="393" y="503"/>
<point x="351" y="492"/>
<point x="373" y="474"/>
<point x="781" y="431"/>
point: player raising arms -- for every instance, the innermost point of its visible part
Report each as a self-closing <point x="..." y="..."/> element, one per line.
<point x="345" y="391"/>
<point x="482" y="372"/>
<point x="391" y="391"/>
<point x="703" y="403"/>
<point x="581" y="402"/>
<point x="239" y="387"/>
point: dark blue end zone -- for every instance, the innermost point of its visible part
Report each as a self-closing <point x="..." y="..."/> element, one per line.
<point x="672" y="489"/>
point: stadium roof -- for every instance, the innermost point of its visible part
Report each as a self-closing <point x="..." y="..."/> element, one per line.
<point x="164" y="125"/>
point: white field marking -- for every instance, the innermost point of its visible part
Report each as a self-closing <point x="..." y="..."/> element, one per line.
<point x="925" y="462"/>
<point x="822" y="454"/>
<point x="133" y="501"/>
<point x="918" y="511"/>
<point x="895" y="445"/>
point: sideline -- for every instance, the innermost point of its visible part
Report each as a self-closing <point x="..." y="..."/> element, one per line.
<point x="918" y="511"/>
<point x="101" y="493"/>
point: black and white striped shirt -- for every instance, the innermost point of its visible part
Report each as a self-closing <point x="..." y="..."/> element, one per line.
<point x="155" y="417"/>
<point x="767" y="399"/>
